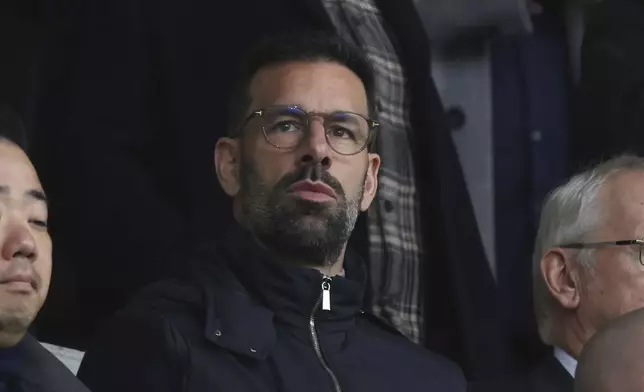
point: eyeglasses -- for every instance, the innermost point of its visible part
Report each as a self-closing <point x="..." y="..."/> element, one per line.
<point x="580" y="245"/>
<point x="285" y="127"/>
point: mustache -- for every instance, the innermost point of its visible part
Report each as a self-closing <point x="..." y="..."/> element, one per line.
<point x="314" y="172"/>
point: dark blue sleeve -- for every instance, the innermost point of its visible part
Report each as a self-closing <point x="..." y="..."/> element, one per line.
<point x="134" y="353"/>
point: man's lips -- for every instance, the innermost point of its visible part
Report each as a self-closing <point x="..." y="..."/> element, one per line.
<point x="312" y="188"/>
<point x="20" y="280"/>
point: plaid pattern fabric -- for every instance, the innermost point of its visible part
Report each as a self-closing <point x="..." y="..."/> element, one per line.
<point x="395" y="240"/>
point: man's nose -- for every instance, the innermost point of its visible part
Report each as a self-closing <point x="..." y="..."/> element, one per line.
<point x="18" y="241"/>
<point x="316" y="147"/>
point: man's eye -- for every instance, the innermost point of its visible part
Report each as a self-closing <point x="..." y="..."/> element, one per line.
<point x="285" y="126"/>
<point x="39" y="223"/>
<point x="342" y="133"/>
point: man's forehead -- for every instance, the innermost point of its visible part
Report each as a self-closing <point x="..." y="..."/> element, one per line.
<point x="323" y="87"/>
<point x="626" y="189"/>
<point x="622" y="201"/>
<point x="17" y="175"/>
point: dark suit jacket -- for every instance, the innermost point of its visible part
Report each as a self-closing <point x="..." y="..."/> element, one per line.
<point x="41" y="371"/>
<point x="548" y="376"/>
<point x="127" y="117"/>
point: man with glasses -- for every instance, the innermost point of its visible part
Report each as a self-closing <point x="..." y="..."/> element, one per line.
<point x="276" y="306"/>
<point x="588" y="267"/>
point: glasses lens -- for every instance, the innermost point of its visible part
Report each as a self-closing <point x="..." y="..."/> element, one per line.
<point x="348" y="133"/>
<point x="284" y="127"/>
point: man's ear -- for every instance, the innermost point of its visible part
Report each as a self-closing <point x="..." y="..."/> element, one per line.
<point x="370" y="181"/>
<point x="227" y="160"/>
<point x="561" y="275"/>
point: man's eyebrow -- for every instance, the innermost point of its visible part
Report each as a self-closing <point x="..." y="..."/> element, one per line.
<point x="37" y="194"/>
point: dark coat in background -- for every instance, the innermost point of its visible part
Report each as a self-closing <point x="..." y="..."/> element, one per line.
<point x="127" y="115"/>
<point x="610" y="107"/>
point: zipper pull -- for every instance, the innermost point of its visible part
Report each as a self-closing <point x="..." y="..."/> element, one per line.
<point x="326" y="294"/>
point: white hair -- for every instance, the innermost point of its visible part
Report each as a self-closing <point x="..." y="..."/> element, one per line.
<point x="572" y="213"/>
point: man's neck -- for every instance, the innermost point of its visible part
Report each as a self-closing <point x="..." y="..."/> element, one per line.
<point x="330" y="268"/>
<point x="8" y="340"/>
<point x="334" y="269"/>
<point x="574" y="337"/>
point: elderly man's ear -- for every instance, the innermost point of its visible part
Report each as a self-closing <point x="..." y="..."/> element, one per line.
<point x="561" y="276"/>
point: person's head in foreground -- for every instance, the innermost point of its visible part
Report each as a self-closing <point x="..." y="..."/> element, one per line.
<point x="25" y="245"/>
<point x="298" y="163"/>
<point x="588" y="261"/>
<point x="612" y="359"/>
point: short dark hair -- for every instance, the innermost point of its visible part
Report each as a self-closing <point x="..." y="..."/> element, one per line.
<point x="310" y="45"/>
<point x="11" y="127"/>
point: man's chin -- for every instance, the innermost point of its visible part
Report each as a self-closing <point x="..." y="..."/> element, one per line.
<point x="310" y="225"/>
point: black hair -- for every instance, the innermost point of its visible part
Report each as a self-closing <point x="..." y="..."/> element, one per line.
<point x="311" y="45"/>
<point x="12" y="128"/>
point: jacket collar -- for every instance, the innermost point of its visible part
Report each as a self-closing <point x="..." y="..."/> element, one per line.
<point x="40" y="370"/>
<point x="247" y="292"/>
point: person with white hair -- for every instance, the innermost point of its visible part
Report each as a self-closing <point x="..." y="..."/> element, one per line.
<point x="588" y="266"/>
<point x="588" y="262"/>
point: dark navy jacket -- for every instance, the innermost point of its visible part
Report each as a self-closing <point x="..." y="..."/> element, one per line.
<point x="30" y="367"/>
<point x="243" y="322"/>
<point x="546" y="376"/>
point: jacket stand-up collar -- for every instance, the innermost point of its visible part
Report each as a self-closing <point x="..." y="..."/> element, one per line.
<point x="251" y="291"/>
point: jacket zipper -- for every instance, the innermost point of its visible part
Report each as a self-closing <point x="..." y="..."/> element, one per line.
<point x="325" y="300"/>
